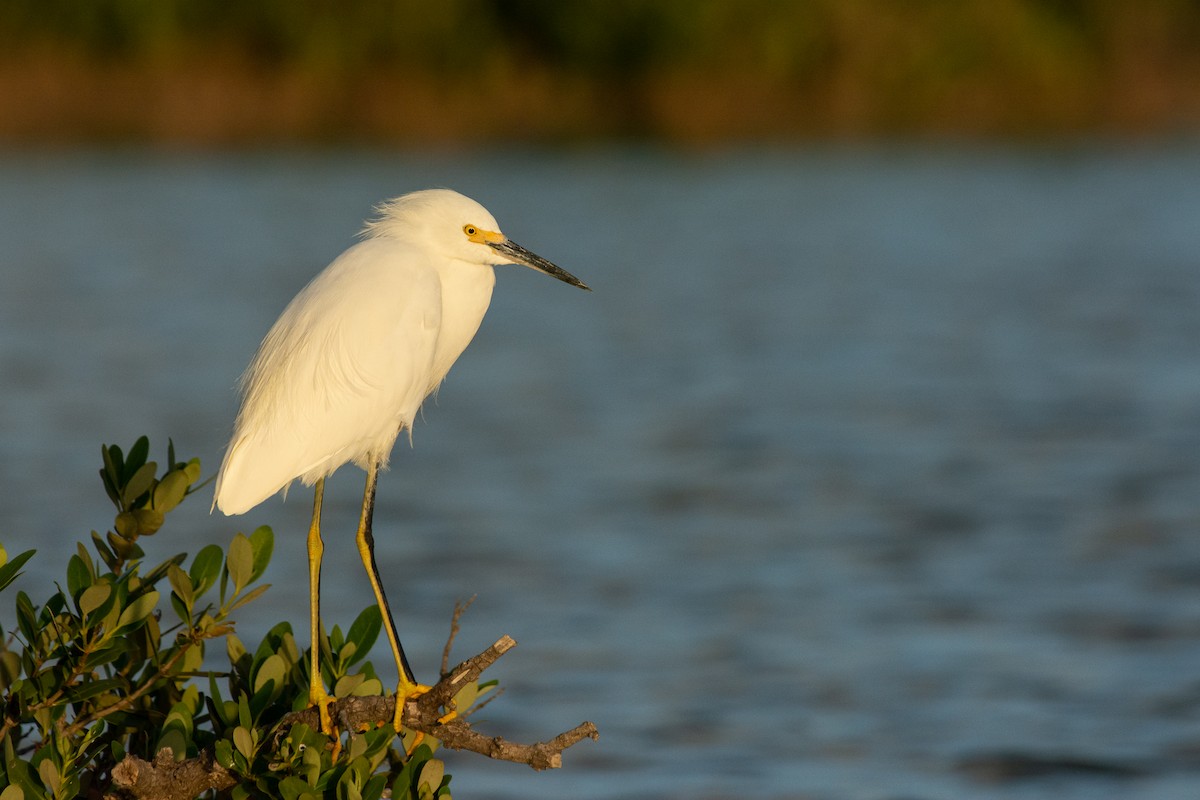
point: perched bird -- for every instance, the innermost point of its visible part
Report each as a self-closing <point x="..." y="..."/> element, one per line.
<point x="347" y="365"/>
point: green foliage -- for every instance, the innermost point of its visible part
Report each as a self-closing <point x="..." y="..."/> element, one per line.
<point x="600" y="38"/>
<point x="551" y="71"/>
<point x="114" y="665"/>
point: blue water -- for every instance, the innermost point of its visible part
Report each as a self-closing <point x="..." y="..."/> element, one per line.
<point x="859" y="466"/>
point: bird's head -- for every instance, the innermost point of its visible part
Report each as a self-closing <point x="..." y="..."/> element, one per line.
<point x="459" y="227"/>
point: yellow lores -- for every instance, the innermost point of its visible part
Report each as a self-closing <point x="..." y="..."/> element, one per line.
<point x="347" y="365"/>
<point x="480" y="236"/>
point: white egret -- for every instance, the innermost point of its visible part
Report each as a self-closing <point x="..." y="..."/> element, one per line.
<point x="347" y="365"/>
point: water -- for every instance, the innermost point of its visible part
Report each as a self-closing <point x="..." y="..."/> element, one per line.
<point x="860" y="468"/>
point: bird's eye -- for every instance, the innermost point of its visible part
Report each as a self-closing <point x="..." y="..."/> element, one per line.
<point x="470" y="230"/>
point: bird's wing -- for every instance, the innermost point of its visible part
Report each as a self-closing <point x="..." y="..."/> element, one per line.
<point x="343" y="370"/>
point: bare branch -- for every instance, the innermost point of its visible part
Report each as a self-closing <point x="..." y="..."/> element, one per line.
<point x="458" y="735"/>
<point x="167" y="780"/>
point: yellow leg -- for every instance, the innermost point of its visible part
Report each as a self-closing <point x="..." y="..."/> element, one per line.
<point x="317" y="695"/>
<point x="408" y="686"/>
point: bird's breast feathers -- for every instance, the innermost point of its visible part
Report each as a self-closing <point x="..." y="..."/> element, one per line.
<point x="341" y="372"/>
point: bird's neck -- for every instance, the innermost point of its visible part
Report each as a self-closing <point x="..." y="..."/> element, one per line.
<point x="466" y="293"/>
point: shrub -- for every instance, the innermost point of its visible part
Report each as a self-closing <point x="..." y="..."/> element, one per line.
<point x="109" y="673"/>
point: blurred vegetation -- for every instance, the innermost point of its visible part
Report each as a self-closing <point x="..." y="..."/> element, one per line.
<point x="112" y="666"/>
<point x="673" y="68"/>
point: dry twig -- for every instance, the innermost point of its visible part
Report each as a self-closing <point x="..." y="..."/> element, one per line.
<point x="459" y="610"/>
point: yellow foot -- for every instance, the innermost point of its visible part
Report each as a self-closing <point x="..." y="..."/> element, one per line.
<point x="327" y="726"/>
<point x="414" y="691"/>
<point x="317" y="696"/>
<point x="404" y="692"/>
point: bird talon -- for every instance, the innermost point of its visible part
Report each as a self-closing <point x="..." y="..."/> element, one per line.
<point x="404" y="692"/>
<point x="419" y="736"/>
<point x="318" y="697"/>
<point x="321" y="700"/>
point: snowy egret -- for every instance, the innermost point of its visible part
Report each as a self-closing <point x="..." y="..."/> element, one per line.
<point x="347" y="365"/>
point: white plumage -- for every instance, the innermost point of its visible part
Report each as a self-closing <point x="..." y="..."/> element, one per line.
<point x="345" y="369"/>
<point x="347" y="365"/>
<point x="353" y="356"/>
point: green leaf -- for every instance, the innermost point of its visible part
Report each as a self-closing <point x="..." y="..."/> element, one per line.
<point x="272" y="639"/>
<point x="89" y="689"/>
<point x="26" y="618"/>
<point x="138" y="610"/>
<point x="363" y="633"/>
<point x="182" y="585"/>
<point x="357" y="748"/>
<point x="346" y="788"/>
<point x="51" y="777"/>
<point x="125" y="548"/>
<point x="244" y="718"/>
<point x="19" y="773"/>
<point x="94" y="599"/>
<point x="114" y="460"/>
<point x="244" y="742"/>
<point x="336" y="640"/>
<point x="373" y="789"/>
<point x="183" y="612"/>
<point x="240" y="562"/>
<point x="126" y="527"/>
<point x="310" y="760"/>
<point x="10" y="669"/>
<point x="222" y="711"/>
<point x="106" y="555"/>
<point x="465" y="698"/>
<point x="347" y="684"/>
<point x="139" y="483"/>
<point x="10" y="571"/>
<point x="234" y="649"/>
<point x="170" y="490"/>
<point x="79" y="576"/>
<point x="271" y="671"/>
<point x="432" y="774"/>
<point x="223" y="752"/>
<point x="206" y="568"/>
<point x="113" y="463"/>
<point x="288" y="647"/>
<point x="262" y="543"/>
<point x="136" y="458"/>
<point x="149" y="520"/>
<point x="12" y="792"/>
<point x="175" y="739"/>
<point x="253" y="594"/>
<point x="110" y="652"/>
<point x="290" y="788"/>
<point x="56" y="604"/>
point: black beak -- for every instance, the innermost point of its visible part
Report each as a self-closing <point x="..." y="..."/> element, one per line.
<point x="520" y="255"/>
